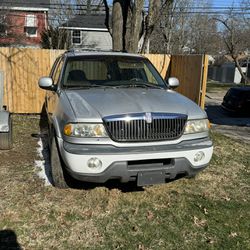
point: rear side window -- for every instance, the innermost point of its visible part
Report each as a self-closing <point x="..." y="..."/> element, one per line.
<point x="57" y="71"/>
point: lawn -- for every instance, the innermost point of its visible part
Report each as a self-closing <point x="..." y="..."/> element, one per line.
<point x="210" y="211"/>
<point x="214" y="86"/>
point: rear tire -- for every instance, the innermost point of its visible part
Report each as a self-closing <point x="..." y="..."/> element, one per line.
<point x="6" y="141"/>
<point x="59" y="174"/>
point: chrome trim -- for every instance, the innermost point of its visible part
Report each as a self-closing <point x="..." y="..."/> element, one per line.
<point x="135" y="127"/>
<point x="141" y="116"/>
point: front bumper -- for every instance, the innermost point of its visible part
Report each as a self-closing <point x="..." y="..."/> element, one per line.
<point x="124" y="172"/>
<point x="127" y="162"/>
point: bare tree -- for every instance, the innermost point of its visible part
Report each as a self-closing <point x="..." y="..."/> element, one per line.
<point x="61" y="12"/>
<point x="126" y="24"/>
<point x="118" y="27"/>
<point x="151" y="20"/>
<point x="236" y="40"/>
<point x="172" y="30"/>
<point x="134" y="25"/>
<point x="246" y="17"/>
<point x="168" y="26"/>
<point x="204" y="36"/>
<point x="129" y="25"/>
<point x="55" y="38"/>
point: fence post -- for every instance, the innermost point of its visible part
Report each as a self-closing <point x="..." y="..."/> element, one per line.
<point x="204" y="82"/>
<point x="1" y="89"/>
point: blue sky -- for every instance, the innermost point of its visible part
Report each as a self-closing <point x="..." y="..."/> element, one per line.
<point x="224" y="3"/>
<point x="221" y="3"/>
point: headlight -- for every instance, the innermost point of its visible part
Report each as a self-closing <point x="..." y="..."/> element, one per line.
<point x="85" y="130"/>
<point x="196" y="126"/>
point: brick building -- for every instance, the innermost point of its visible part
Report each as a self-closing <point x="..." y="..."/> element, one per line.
<point x="22" y="22"/>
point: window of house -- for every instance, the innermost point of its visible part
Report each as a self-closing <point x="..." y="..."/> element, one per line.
<point x="76" y="37"/>
<point x="3" y="25"/>
<point x="2" y="28"/>
<point x="31" y="25"/>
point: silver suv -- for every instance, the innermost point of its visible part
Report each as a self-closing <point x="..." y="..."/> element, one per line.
<point x="112" y="116"/>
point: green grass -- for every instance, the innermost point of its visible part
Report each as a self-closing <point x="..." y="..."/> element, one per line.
<point x="208" y="212"/>
<point x="213" y="86"/>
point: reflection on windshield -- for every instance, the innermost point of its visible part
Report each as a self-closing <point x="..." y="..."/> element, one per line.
<point x="110" y="72"/>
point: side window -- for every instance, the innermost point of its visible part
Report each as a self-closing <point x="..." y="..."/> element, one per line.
<point x="57" y="71"/>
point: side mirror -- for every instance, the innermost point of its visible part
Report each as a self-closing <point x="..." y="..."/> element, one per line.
<point x="173" y="82"/>
<point x="46" y="83"/>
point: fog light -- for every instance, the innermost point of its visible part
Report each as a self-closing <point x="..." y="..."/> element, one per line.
<point x="94" y="163"/>
<point x="199" y="156"/>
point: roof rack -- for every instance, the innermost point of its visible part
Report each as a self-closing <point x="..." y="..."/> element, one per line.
<point x="75" y="50"/>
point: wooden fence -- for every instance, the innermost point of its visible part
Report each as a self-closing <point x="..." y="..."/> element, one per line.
<point x="22" y="69"/>
<point x="191" y="71"/>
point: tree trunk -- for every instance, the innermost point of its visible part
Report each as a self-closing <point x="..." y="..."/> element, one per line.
<point x="153" y="14"/>
<point x="126" y="24"/>
<point x="134" y="24"/>
<point x="107" y="16"/>
<point x="117" y="25"/>
<point x="169" y="33"/>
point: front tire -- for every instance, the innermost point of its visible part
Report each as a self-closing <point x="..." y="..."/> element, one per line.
<point x="59" y="174"/>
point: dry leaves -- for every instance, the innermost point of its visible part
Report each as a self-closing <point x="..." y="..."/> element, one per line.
<point x="199" y="222"/>
<point x="150" y="215"/>
<point x="233" y="235"/>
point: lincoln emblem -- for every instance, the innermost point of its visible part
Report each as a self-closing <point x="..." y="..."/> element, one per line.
<point x="148" y="118"/>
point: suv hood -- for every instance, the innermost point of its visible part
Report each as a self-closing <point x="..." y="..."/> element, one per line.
<point x="98" y="103"/>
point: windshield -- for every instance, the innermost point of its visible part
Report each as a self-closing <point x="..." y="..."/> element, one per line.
<point x="110" y="71"/>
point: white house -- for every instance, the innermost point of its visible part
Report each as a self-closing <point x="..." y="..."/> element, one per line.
<point x="88" y="32"/>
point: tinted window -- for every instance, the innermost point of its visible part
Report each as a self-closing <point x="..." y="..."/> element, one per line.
<point x="110" y="70"/>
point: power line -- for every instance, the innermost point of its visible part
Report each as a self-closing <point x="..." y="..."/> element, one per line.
<point x="178" y="11"/>
<point x="59" y="20"/>
<point x="206" y="11"/>
<point x="78" y="6"/>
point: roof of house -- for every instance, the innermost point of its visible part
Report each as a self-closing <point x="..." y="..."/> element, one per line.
<point x="26" y="3"/>
<point x="91" y="21"/>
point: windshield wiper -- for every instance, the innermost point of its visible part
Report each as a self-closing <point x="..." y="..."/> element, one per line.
<point x="123" y="84"/>
<point x="87" y="86"/>
<point x="140" y="85"/>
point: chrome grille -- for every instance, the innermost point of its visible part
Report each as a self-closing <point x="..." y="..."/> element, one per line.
<point x="140" y="128"/>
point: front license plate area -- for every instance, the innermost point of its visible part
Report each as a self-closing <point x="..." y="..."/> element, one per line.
<point x="150" y="178"/>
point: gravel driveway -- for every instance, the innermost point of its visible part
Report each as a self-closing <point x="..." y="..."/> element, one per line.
<point x="234" y="127"/>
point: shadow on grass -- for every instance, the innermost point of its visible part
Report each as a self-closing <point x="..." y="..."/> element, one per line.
<point x="111" y="184"/>
<point x="8" y="240"/>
